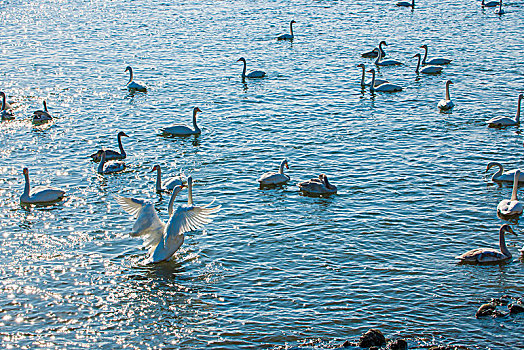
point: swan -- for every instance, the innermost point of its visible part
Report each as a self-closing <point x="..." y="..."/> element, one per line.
<point x="169" y="184"/>
<point x="42" y="116"/>
<point x="186" y="218"/>
<point x="131" y="85"/>
<point x="182" y="130"/>
<point x="253" y="74"/>
<point x="510" y="207"/>
<point x="110" y="154"/>
<point x="500" y="10"/>
<point x="489" y="255"/>
<point x="112" y="166"/>
<point x="436" y="61"/>
<point x="148" y="225"/>
<point x="427" y="69"/>
<point x="39" y="195"/>
<point x="446" y="104"/>
<point x="5" y="113"/>
<point x="374" y="53"/>
<point x="490" y="3"/>
<point x="274" y="179"/>
<point x="406" y="4"/>
<point x="288" y="36"/>
<point x="388" y="62"/>
<point x="498" y="122"/>
<point x="501" y="175"/>
<point x="363" y="81"/>
<point x="386" y="87"/>
<point x="314" y="187"/>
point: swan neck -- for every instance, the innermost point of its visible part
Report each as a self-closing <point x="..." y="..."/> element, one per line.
<point x="502" y="243"/>
<point x="372" y="87"/>
<point x="363" y="80"/>
<point x="291" y="27"/>
<point x="190" y="193"/>
<point x="130" y="75"/>
<point x="326" y="182"/>
<point x="3" y="102"/>
<point x="245" y="68"/>
<point x="171" y="203"/>
<point x="281" y="169"/>
<point x="447" y="92"/>
<point x="499" y="172"/>
<point x="158" y="180"/>
<point x="418" y="64"/>
<point x="515" y="186"/>
<point x="27" y="187"/>
<point x="45" y="107"/>
<point x="122" y="152"/>
<point x="195" y="120"/>
<point x="379" y="56"/>
<point x="381" y="49"/>
<point x="101" y="164"/>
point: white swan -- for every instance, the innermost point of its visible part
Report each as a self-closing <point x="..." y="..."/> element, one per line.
<point x="501" y="175"/>
<point x="511" y="207"/>
<point x="427" y="69"/>
<point x="386" y="87"/>
<point x="288" y="36"/>
<point x="169" y="184"/>
<point x="182" y="130"/>
<point x="406" y="3"/>
<point x="5" y="112"/>
<point x="363" y="81"/>
<point x="110" y="154"/>
<point x="314" y="187"/>
<point x="148" y="225"/>
<point x="253" y="74"/>
<point x="498" y="122"/>
<point x="489" y="255"/>
<point x="40" y="116"/>
<point x="490" y="3"/>
<point x="274" y="179"/>
<point x="131" y="85"/>
<point x="500" y="10"/>
<point x="112" y="166"/>
<point x="186" y="218"/>
<point x="374" y="53"/>
<point x="389" y="62"/>
<point x="446" y="104"/>
<point x="41" y="194"/>
<point x="436" y="61"/>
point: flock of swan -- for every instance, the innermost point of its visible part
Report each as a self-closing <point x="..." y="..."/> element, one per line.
<point x="162" y="240"/>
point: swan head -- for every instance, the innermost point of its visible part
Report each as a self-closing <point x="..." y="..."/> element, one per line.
<point x="284" y="162"/>
<point x="26" y="171"/>
<point x="372" y="70"/>
<point x="507" y="228"/>
<point x="156" y="167"/>
<point x="196" y="109"/>
<point x="521" y="96"/>
<point x="417" y="55"/>
<point x="178" y="188"/>
<point x="121" y="133"/>
<point x="292" y="21"/>
<point x="128" y="69"/>
<point x="449" y="82"/>
<point x="424" y="46"/>
<point x="491" y="165"/>
<point x="241" y="59"/>
<point x="383" y="42"/>
<point x="189" y="181"/>
<point x="362" y="66"/>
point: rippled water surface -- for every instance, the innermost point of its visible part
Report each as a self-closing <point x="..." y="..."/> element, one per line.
<point x="274" y="268"/>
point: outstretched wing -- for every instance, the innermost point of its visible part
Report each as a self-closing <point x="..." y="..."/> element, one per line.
<point x="184" y="219"/>
<point x="147" y="225"/>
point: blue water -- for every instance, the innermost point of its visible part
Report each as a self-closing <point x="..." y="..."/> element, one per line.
<point x="274" y="268"/>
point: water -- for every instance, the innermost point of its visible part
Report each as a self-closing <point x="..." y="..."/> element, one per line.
<point x="274" y="268"/>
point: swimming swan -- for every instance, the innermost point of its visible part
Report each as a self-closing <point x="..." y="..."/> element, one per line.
<point x="182" y="130"/>
<point x="274" y="179"/>
<point x="5" y="113"/>
<point x="253" y="74"/>
<point x="169" y="184"/>
<point x="112" y="166"/>
<point x="489" y="255"/>
<point x="388" y="62"/>
<point x="435" y="61"/>
<point x="110" y="154"/>
<point x="131" y="85"/>
<point x="511" y="207"/>
<point x="363" y="81"/>
<point x="427" y="69"/>
<point x="314" y="187"/>
<point x="42" y="116"/>
<point x="498" y="122"/>
<point x="288" y="36"/>
<point x="374" y="53"/>
<point x="501" y="175"/>
<point x="41" y="194"/>
<point x="446" y="104"/>
<point x="386" y="87"/>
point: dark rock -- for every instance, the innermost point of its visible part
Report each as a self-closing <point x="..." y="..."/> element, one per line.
<point x="488" y="310"/>
<point x="373" y="337"/>
<point x="397" y="344"/>
<point x="515" y="308"/>
<point x="346" y="344"/>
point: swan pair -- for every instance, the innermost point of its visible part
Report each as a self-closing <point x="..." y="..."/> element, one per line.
<point x="41" y="194"/>
<point x="169" y="184"/>
<point x="363" y="81"/>
<point x="446" y="104"/>
<point x="501" y="175"/>
<point x="275" y="179"/>
<point x="40" y="116"/>
<point x="109" y="167"/>
<point x="253" y="74"/>
<point x="317" y="187"/>
<point x="511" y="207"/>
<point x="5" y="112"/>
<point x="426" y="69"/>
<point x="288" y="36"/>
<point x="182" y="130"/>
<point x="131" y="85"/>
<point x="489" y="255"/>
<point x="384" y="87"/>
<point x="110" y="154"/>
<point x="498" y="122"/>
<point x="163" y="239"/>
